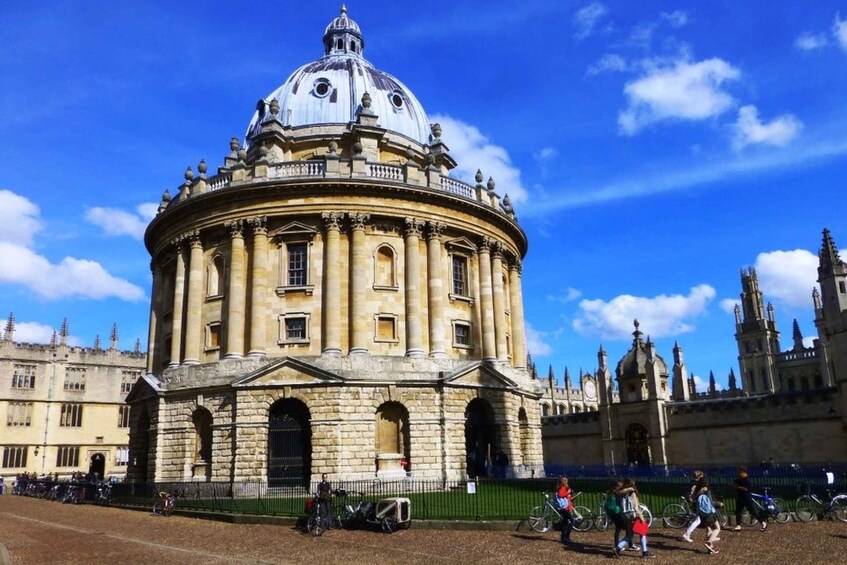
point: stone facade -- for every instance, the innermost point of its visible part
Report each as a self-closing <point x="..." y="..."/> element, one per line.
<point x="333" y="301"/>
<point x="790" y="406"/>
<point x="63" y="406"/>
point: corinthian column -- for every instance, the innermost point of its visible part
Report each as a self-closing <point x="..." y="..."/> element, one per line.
<point x="153" y="336"/>
<point x="516" y="309"/>
<point x="331" y="321"/>
<point x="236" y="296"/>
<point x="436" y="288"/>
<point x="179" y="304"/>
<point x="195" y="300"/>
<point x="359" y="319"/>
<point x="259" y="287"/>
<point x="412" y="281"/>
<point x="499" y="302"/>
<point x="489" y="351"/>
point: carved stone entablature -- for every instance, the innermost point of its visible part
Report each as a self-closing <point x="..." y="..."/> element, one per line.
<point x="236" y="228"/>
<point x="434" y="230"/>
<point x="332" y="220"/>
<point x="259" y="224"/>
<point x="413" y="226"/>
<point x="358" y="220"/>
<point x="386" y="228"/>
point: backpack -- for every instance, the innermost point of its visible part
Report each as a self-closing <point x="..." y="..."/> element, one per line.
<point x="611" y="506"/>
<point x="704" y="505"/>
<point x="562" y="503"/>
<point x="627" y="507"/>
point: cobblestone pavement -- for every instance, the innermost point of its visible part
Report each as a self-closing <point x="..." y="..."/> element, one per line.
<point x="38" y="531"/>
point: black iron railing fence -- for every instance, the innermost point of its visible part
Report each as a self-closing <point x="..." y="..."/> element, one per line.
<point x="483" y="499"/>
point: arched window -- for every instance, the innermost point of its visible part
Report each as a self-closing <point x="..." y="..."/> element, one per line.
<point x="392" y="437"/>
<point x="526" y="438"/>
<point x="215" y="276"/>
<point x="385" y="267"/>
<point x="545" y="410"/>
<point x="637" y="445"/>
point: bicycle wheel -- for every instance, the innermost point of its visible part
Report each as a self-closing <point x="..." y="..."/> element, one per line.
<point x="389" y="524"/>
<point x="839" y="507"/>
<point x="675" y="515"/>
<point x="782" y="515"/>
<point x="601" y="520"/>
<point x="315" y="525"/>
<point x="158" y="507"/>
<point x="648" y="516"/>
<point x="723" y="517"/>
<point x="806" y="508"/>
<point x="538" y="520"/>
<point x="344" y="518"/>
<point x="747" y="519"/>
<point x="582" y="519"/>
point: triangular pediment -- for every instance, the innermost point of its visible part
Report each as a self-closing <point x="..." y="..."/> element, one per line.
<point x="147" y="386"/>
<point x="295" y="229"/>
<point x="478" y="375"/>
<point x="287" y="371"/>
<point x="461" y="243"/>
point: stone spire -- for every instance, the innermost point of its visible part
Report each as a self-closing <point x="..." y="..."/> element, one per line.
<point x="97" y="346"/>
<point x="113" y="337"/>
<point x="798" y="337"/>
<point x="828" y="253"/>
<point x="713" y="389"/>
<point x="9" y="334"/>
<point x="680" y="375"/>
<point x="137" y="350"/>
<point x="63" y="332"/>
<point x="53" y="339"/>
<point x="733" y="385"/>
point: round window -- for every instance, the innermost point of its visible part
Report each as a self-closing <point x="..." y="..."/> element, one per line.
<point x="396" y="99"/>
<point x="321" y="88"/>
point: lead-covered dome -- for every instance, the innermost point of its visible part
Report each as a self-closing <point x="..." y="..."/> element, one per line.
<point x="330" y="90"/>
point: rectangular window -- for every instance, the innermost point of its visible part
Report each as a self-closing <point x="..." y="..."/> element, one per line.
<point x="842" y="288"/>
<point x="67" y="456"/>
<point x="24" y="376"/>
<point x="386" y="328"/>
<point x="121" y="456"/>
<point x="75" y="378"/>
<point x="213" y="335"/>
<point x="297" y="264"/>
<point x="19" y="414"/>
<point x="14" y="457"/>
<point x="295" y="329"/>
<point x="460" y="275"/>
<point x="461" y="334"/>
<point x="71" y="416"/>
<point x="123" y="416"/>
<point x="128" y="378"/>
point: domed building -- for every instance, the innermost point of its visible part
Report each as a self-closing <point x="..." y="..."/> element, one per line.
<point x="332" y="301"/>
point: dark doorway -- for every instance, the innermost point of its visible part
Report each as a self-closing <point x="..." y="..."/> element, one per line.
<point x="480" y="437"/>
<point x="140" y="446"/>
<point x="97" y="466"/>
<point x="637" y="445"/>
<point x="289" y="444"/>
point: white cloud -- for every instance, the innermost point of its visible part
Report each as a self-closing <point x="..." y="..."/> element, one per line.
<point x="547" y="154"/>
<point x="809" y="341"/>
<point x="728" y="305"/>
<point x="32" y="332"/>
<point x="677" y="18"/>
<point x="535" y="343"/>
<point x="660" y="316"/>
<point x="17" y="211"/>
<point x="810" y="41"/>
<point x="839" y="31"/>
<point x="750" y="130"/>
<point x="702" y="384"/>
<point x="569" y="295"/>
<point x="472" y="150"/>
<point x="683" y="91"/>
<point x="586" y="19"/>
<point x="118" y="222"/>
<point x="610" y="63"/>
<point x="788" y="276"/>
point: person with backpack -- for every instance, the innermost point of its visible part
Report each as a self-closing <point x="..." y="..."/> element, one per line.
<point x="700" y="482"/>
<point x="612" y="507"/>
<point x="707" y="513"/>
<point x="564" y="503"/>
<point x="634" y="517"/>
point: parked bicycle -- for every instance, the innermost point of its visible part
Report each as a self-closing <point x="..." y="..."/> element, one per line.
<point x="164" y="504"/>
<point x="773" y="507"/>
<point x="810" y="506"/>
<point x="679" y="515"/>
<point x="316" y="522"/>
<point x="542" y="518"/>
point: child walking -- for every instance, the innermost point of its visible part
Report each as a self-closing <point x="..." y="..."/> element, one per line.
<point x="709" y="516"/>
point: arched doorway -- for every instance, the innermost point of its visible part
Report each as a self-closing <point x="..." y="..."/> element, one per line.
<point x="289" y="444"/>
<point x="480" y="437"/>
<point x="97" y="466"/>
<point x="201" y="465"/>
<point x="637" y="445"/>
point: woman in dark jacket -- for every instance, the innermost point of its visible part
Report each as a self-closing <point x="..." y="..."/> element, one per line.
<point x="744" y="500"/>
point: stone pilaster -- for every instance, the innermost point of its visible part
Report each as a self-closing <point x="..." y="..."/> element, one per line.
<point x="360" y="322"/>
<point x="179" y="304"/>
<point x="153" y="337"/>
<point x="414" y="331"/>
<point x="331" y="321"/>
<point x="259" y="287"/>
<point x="486" y="300"/>
<point x="236" y="294"/>
<point x="194" y="301"/>
<point x="499" y="300"/>
<point x="436" y="288"/>
<point x="516" y="309"/>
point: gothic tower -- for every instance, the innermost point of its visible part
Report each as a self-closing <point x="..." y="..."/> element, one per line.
<point x="757" y="337"/>
<point x="831" y="315"/>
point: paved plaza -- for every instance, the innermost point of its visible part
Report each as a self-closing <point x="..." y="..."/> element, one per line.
<point x="37" y="531"/>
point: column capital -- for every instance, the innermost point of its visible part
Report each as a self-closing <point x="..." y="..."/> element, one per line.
<point x="358" y="220"/>
<point x="484" y="244"/>
<point x="434" y="230"/>
<point x="413" y="227"/>
<point x="332" y="220"/>
<point x="516" y="265"/>
<point x="497" y="250"/>
<point x="235" y="227"/>
<point x="259" y="224"/>
<point x="193" y="238"/>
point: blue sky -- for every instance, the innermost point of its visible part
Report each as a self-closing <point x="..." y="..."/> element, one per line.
<point x="652" y="149"/>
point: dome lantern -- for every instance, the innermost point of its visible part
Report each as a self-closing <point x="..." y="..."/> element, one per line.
<point x="343" y="36"/>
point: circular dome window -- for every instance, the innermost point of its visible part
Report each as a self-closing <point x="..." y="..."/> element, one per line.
<point x="321" y="88"/>
<point x="396" y="98"/>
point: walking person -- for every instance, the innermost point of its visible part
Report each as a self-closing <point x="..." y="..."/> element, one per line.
<point x="612" y="507"/>
<point x="325" y="501"/>
<point x="697" y="485"/>
<point x="743" y="500"/>
<point x="564" y="503"/>
<point x="709" y="516"/>
<point x="634" y="517"/>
